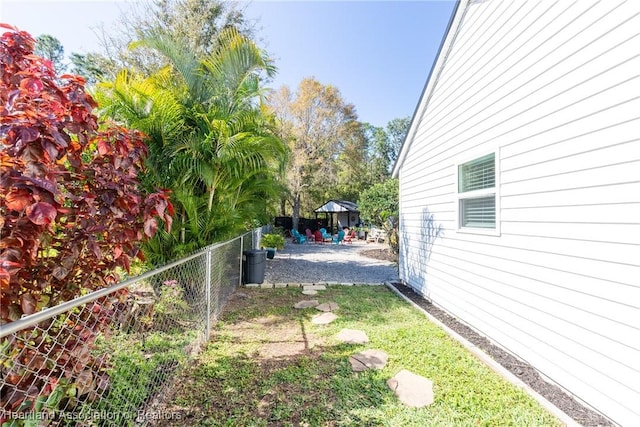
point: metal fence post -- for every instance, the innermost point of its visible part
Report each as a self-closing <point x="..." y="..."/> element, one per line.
<point x="241" y="251"/>
<point x="208" y="292"/>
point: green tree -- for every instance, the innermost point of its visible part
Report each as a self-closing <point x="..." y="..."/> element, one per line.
<point x="198" y="22"/>
<point x="315" y="123"/>
<point x="194" y="23"/>
<point x="368" y="156"/>
<point x="396" y="132"/>
<point x="379" y="205"/>
<point x="90" y="66"/>
<point x="352" y="176"/>
<point x="49" y="47"/>
<point x="377" y="150"/>
<point x="383" y="146"/>
<point x="210" y="140"/>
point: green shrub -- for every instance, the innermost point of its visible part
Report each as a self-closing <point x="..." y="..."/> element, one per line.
<point x="272" y="241"/>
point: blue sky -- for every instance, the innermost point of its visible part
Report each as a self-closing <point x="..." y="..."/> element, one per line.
<point x="377" y="53"/>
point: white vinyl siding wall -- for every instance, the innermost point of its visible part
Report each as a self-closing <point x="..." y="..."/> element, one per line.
<point x="553" y="87"/>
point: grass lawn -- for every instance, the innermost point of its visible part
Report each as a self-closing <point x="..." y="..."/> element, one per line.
<point x="267" y="364"/>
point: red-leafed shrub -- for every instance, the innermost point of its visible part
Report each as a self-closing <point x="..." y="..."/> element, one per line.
<point x="71" y="207"/>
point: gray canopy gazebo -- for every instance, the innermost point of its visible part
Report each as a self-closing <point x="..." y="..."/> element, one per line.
<point x="346" y="213"/>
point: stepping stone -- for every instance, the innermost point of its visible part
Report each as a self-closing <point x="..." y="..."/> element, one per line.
<point x="352" y="336"/>
<point x="412" y="389"/>
<point x="280" y="285"/>
<point x="323" y="319"/>
<point x="368" y="359"/>
<point x="241" y="295"/>
<point x="310" y="292"/>
<point x="328" y="306"/>
<point x="306" y="304"/>
<point x="314" y="287"/>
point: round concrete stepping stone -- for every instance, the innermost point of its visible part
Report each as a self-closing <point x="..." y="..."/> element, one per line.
<point x="327" y="306"/>
<point x="306" y="304"/>
<point x="323" y="319"/>
<point x="310" y="292"/>
<point x="352" y="336"/>
<point x="368" y="359"/>
<point x="412" y="389"/>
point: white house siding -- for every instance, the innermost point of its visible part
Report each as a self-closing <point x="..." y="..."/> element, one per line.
<point x="344" y="219"/>
<point x="554" y="87"/>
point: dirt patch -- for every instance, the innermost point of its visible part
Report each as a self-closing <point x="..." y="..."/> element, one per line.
<point x="272" y="335"/>
<point x="520" y="369"/>
<point x="380" y="254"/>
<point x="267" y="374"/>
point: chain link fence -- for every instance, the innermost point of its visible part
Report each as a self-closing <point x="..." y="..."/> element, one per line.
<point x="105" y="359"/>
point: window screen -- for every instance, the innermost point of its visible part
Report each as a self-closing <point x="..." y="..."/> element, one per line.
<point x="477" y="174"/>
<point x="479" y="212"/>
<point x="477" y="209"/>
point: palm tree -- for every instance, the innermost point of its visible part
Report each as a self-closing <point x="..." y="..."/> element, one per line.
<point x="210" y="140"/>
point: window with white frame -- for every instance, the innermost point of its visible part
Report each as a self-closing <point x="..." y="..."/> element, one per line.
<point x="477" y="193"/>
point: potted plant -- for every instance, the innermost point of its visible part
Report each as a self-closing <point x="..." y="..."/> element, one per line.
<point x="362" y="232"/>
<point x="272" y="242"/>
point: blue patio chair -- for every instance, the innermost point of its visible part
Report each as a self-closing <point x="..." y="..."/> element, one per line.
<point x="297" y="237"/>
<point x="338" y="239"/>
<point x="326" y="236"/>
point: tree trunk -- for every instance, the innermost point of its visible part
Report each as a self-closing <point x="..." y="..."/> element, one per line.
<point x="210" y="204"/>
<point x="295" y="216"/>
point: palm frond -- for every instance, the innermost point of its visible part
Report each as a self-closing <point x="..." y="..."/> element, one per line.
<point x="180" y="56"/>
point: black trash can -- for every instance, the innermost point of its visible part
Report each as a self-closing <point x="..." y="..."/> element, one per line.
<point x="253" y="266"/>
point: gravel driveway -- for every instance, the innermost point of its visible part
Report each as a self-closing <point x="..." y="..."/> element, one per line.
<point x="316" y="263"/>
